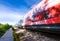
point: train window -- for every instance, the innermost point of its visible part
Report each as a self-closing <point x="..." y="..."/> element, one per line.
<point x="36" y="11"/>
<point x="33" y="16"/>
<point x="45" y="15"/>
<point x="27" y="19"/>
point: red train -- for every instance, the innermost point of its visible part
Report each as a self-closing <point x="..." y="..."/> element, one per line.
<point x="46" y="13"/>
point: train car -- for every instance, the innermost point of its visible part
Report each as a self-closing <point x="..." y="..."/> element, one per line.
<point x="44" y="16"/>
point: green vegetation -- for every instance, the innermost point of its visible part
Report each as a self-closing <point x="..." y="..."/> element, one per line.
<point x="4" y="28"/>
<point x="17" y="35"/>
<point x="16" y="38"/>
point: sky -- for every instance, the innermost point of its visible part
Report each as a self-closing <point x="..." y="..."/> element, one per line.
<point x="11" y="11"/>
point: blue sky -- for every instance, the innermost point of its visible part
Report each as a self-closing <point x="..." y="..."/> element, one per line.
<point x="11" y="11"/>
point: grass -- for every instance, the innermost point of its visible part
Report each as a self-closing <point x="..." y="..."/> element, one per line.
<point x="16" y="38"/>
<point x="16" y="35"/>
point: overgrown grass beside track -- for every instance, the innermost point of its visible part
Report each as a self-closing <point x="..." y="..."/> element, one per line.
<point x="16" y="35"/>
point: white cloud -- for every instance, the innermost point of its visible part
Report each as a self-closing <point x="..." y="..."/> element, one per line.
<point x="9" y="16"/>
